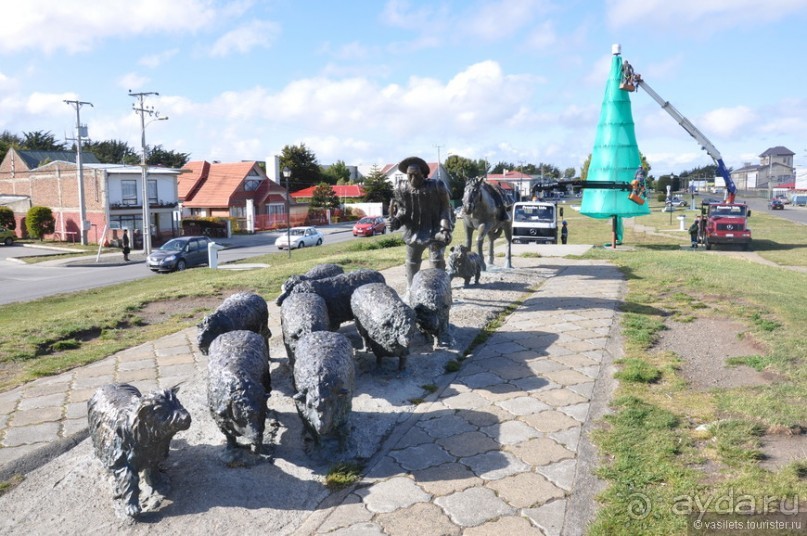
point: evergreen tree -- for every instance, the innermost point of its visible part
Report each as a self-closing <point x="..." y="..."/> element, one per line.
<point x="305" y="170"/>
<point x="376" y="187"/>
<point x="324" y="197"/>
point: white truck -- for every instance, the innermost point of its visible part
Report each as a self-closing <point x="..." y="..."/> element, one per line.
<point x="535" y="221"/>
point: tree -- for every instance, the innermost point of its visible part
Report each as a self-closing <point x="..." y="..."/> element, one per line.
<point x="461" y="169"/>
<point x="584" y="168"/>
<point x="324" y="197"/>
<point x="337" y="173"/>
<point x="376" y="187"/>
<point x="41" y="141"/>
<point x="7" y="218"/>
<point x="305" y="171"/>
<point x="7" y="141"/>
<point x="568" y="173"/>
<point x="112" y="152"/>
<point x="162" y="157"/>
<point x="39" y="222"/>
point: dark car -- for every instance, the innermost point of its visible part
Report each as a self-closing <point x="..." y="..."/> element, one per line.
<point x="776" y="204"/>
<point x="370" y="226"/>
<point x="178" y="254"/>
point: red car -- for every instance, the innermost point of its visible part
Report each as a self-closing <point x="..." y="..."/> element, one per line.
<point x="370" y="226"/>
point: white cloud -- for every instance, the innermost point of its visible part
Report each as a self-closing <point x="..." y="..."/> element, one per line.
<point x="501" y="19"/>
<point x="132" y="81"/>
<point x="74" y="26"/>
<point x="155" y="60"/>
<point x="543" y="37"/>
<point x="697" y="15"/>
<point x="728" y="122"/>
<point x="256" y="33"/>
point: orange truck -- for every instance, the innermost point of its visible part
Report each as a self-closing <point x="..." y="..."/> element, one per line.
<point x="725" y="224"/>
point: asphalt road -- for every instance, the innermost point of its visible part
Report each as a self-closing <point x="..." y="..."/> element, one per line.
<point x="22" y="282"/>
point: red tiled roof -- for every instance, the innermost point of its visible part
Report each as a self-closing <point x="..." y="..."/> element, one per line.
<point x="195" y="172"/>
<point x="505" y="185"/>
<point x="221" y="185"/>
<point x="341" y="190"/>
<point x="509" y="175"/>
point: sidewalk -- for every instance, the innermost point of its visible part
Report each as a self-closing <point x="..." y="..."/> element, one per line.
<point x="501" y="445"/>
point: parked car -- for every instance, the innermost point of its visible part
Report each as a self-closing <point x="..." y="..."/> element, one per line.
<point x="7" y="236"/>
<point x="370" y="226"/>
<point x="783" y="199"/>
<point x="776" y="204"/>
<point x="300" y="237"/>
<point x="678" y="201"/>
<point x="178" y="254"/>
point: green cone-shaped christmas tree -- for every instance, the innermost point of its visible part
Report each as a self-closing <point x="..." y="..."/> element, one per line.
<point x="615" y="156"/>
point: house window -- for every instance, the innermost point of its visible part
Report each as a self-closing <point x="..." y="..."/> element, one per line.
<point x="152" y="192"/>
<point x="237" y="212"/>
<point x="277" y="209"/>
<point x="250" y="185"/>
<point x="128" y="192"/>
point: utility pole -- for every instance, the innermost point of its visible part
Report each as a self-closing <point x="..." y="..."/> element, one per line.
<point x="439" y="173"/>
<point x="81" y="132"/>
<point x="141" y="109"/>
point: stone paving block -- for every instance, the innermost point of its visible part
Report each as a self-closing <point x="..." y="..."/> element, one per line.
<point x="447" y="424"/>
<point x="550" y="421"/>
<point x="581" y="333"/>
<point x="99" y="369"/>
<point x="139" y="364"/>
<point x="481" y="380"/>
<point x="392" y="494"/>
<point x="359" y="529"/>
<point x="486" y="416"/>
<point x="43" y="402"/>
<point x="9" y="400"/>
<point x="540" y="451"/>
<point x="569" y="438"/>
<point x="495" y="464"/>
<point x="178" y="350"/>
<point x="183" y="371"/>
<point x="549" y="517"/>
<point x="473" y="506"/>
<point x="533" y="384"/>
<point x="30" y="435"/>
<point x="468" y="444"/>
<point x="502" y="391"/>
<point x="560" y="473"/>
<point x="93" y="382"/>
<point x="559" y="397"/>
<point x="510" y="526"/>
<point x="508" y="369"/>
<point x="592" y="371"/>
<point x="385" y="468"/>
<point x="138" y="353"/>
<point x="176" y="359"/>
<point x="578" y="411"/>
<point x="133" y="376"/>
<point x="37" y="416"/>
<point x="541" y="366"/>
<point x="43" y="387"/>
<point x="71" y="426"/>
<point x="419" y="519"/>
<point x="511" y="432"/>
<point x="523" y="405"/>
<point x="525" y="490"/>
<point x="76" y="410"/>
<point x="350" y="512"/>
<point x="415" y="436"/>
<point x="9" y="454"/>
<point x="466" y="401"/>
<point x="574" y="360"/>
<point x="446" y="478"/>
<point x="567" y="377"/>
<point x="421" y="456"/>
<point x="583" y="389"/>
<point x="77" y="396"/>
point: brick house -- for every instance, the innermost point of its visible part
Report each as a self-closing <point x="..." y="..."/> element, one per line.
<point x="239" y="190"/>
<point x="113" y="195"/>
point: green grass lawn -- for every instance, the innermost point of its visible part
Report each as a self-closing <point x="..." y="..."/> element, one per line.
<point x="649" y="444"/>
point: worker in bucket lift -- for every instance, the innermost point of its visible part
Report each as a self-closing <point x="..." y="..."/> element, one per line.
<point x="638" y="187"/>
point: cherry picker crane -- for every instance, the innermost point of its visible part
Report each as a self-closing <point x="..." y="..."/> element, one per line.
<point x="632" y="81"/>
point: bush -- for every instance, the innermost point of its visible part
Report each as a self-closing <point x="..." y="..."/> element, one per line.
<point x="7" y="218"/>
<point x="40" y="222"/>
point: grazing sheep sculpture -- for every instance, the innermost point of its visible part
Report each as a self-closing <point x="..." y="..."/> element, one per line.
<point x="430" y="297"/>
<point x="466" y="264"/>
<point x="386" y="324"/>
<point x="243" y="310"/>
<point x="325" y="378"/>
<point x="301" y="314"/>
<point x="238" y="386"/>
<point x="336" y="292"/>
<point x="320" y="271"/>
<point x="131" y="434"/>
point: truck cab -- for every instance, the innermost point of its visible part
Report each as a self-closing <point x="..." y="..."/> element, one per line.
<point x="535" y="221"/>
<point x="725" y="223"/>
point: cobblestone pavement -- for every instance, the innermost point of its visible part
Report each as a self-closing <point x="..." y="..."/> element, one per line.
<point x="499" y="448"/>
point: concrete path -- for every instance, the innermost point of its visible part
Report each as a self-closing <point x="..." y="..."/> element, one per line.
<point x="500" y="447"/>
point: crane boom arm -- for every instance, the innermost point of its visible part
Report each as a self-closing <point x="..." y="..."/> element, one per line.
<point x="632" y="81"/>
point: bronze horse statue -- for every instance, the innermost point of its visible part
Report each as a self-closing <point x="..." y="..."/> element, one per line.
<point x="480" y="213"/>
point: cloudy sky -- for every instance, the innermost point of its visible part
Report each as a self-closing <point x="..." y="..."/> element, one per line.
<point x="374" y="81"/>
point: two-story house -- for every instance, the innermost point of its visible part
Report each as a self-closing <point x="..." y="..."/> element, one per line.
<point x="112" y="195"/>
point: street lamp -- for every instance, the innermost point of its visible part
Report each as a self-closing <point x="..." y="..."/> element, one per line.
<point x="287" y="175"/>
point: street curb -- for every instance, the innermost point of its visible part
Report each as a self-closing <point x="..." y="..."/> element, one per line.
<point x="36" y="459"/>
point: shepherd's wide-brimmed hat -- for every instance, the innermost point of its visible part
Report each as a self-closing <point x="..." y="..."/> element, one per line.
<point x="414" y="161"/>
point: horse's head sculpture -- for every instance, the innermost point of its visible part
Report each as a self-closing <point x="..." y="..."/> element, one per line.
<point x="471" y="194"/>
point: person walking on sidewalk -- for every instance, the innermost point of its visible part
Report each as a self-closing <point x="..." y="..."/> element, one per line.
<point x="693" y="232"/>
<point x="125" y="241"/>
<point x="564" y="232"/>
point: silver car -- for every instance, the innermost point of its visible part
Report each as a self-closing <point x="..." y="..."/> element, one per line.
<point x="300" y="237"/>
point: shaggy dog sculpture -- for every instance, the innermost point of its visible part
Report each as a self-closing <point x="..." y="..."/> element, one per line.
<point x="131" y="434"/>
<point x="465" y="264"/>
